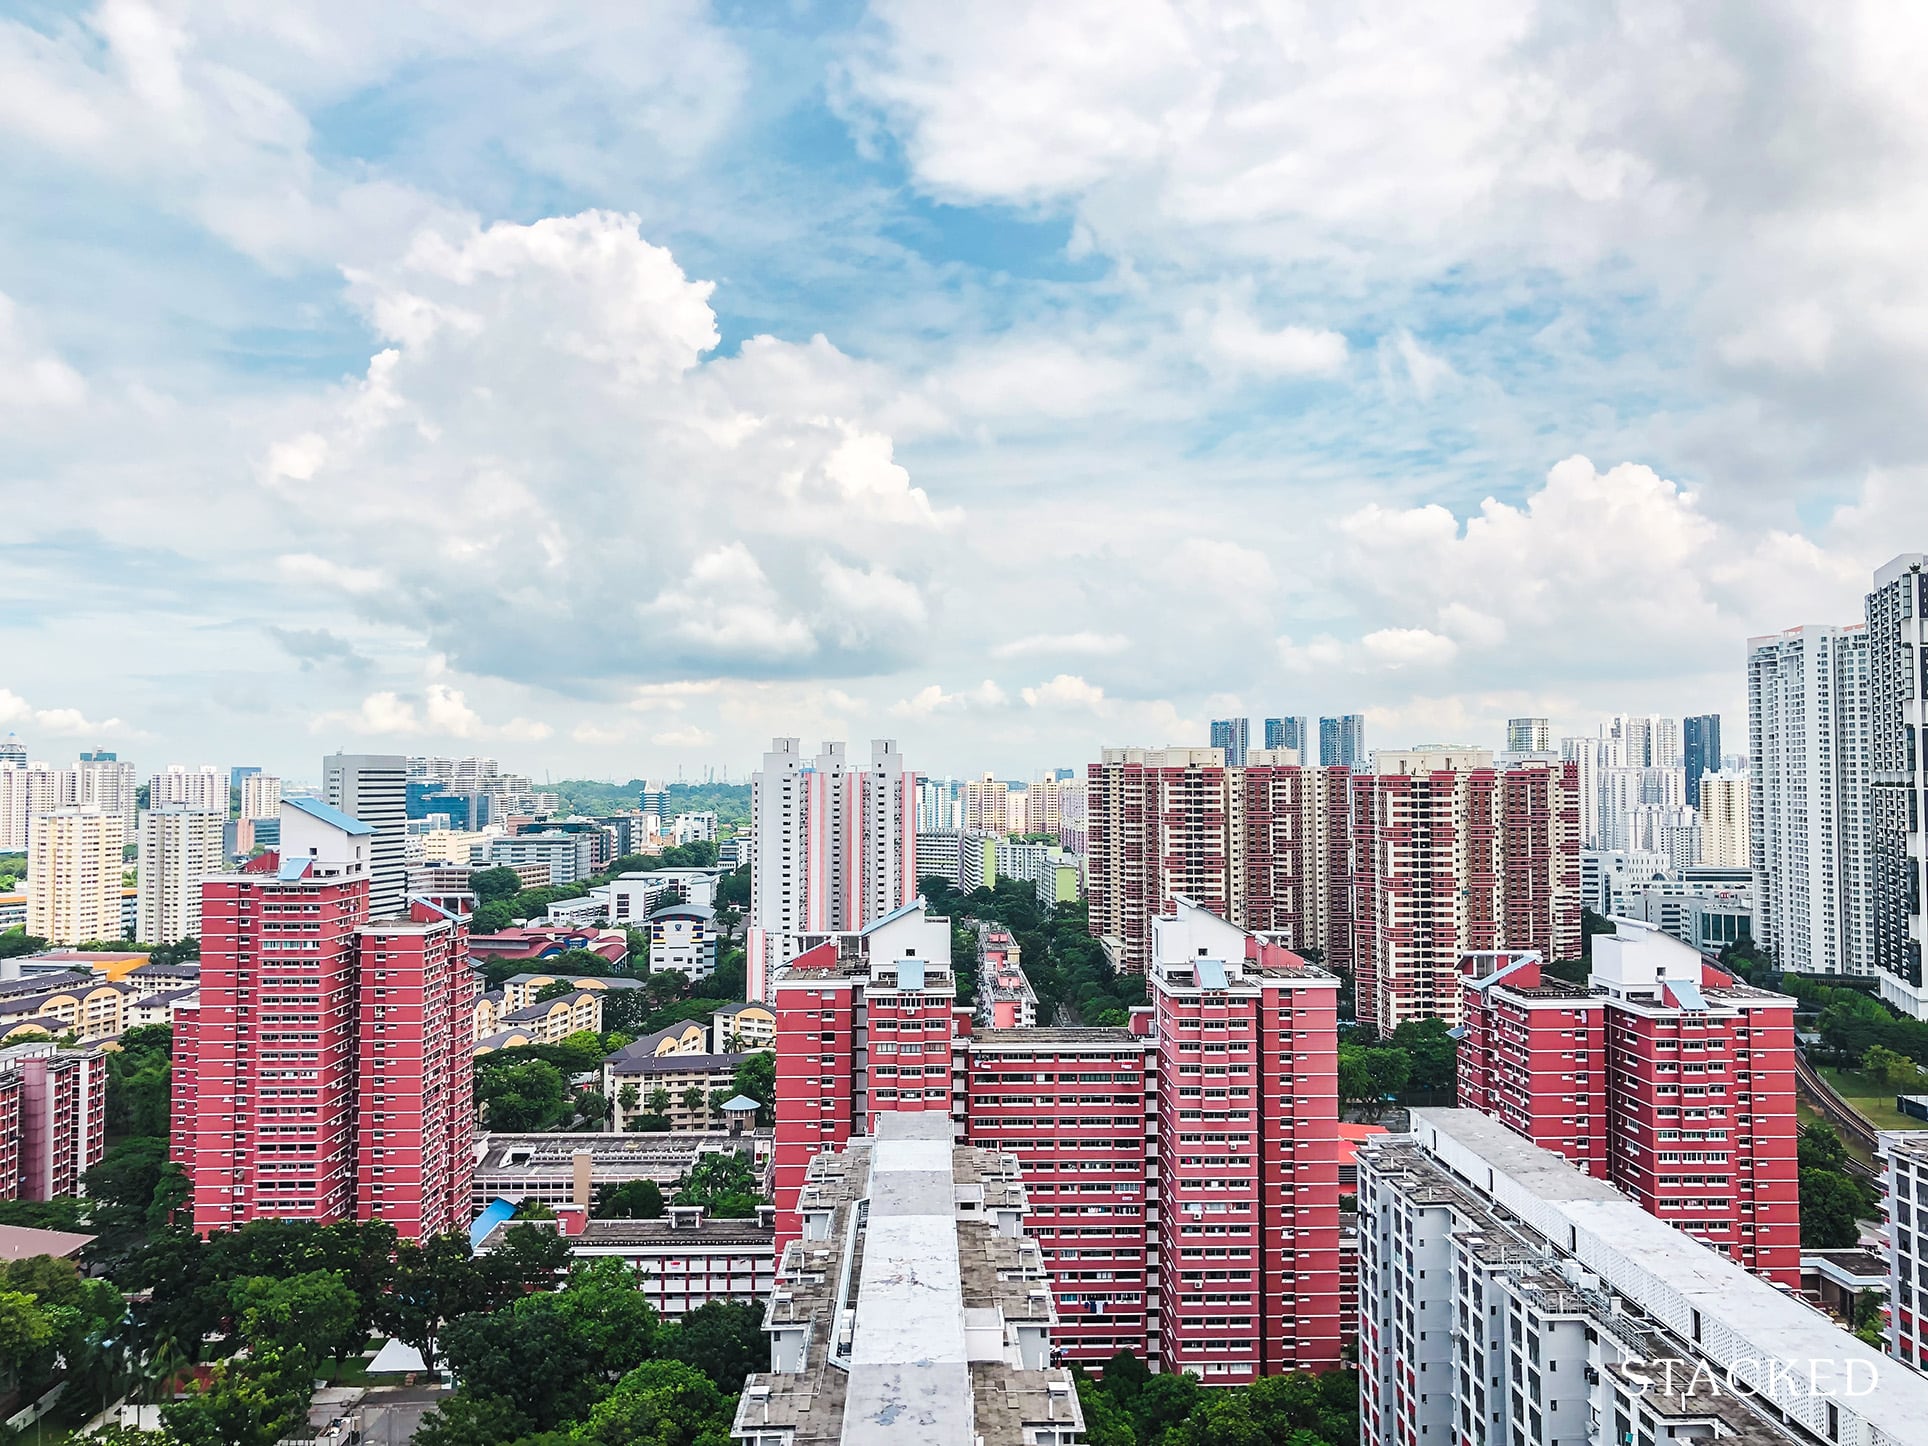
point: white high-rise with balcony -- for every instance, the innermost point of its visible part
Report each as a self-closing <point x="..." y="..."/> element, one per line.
<point x="835" y="848"/>
<point x="203" y="788"/>
<point x="179" y="847"/>
<point x="260" y="796"/>
<point x="1809" y="825"/>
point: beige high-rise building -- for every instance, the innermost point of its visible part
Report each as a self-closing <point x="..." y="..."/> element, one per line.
<point x="260" y="796"/>
<point x="74" y="875"/>
<point x="180" y="847"/>
<point x="1723" y="819"/>
<point x="987" y="805"/>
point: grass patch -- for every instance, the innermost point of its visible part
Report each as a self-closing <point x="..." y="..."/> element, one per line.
<point x="1875" y="1100"/>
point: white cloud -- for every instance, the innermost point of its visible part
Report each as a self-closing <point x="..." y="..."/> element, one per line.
<point x="1291" y="351"/>
<point x="442" y="712"/>
<point x="1409" y="647"/>
<point x="543" y="404"/>
<point x="32" y="377"/>
<point x="932" y="699"/>
<point x="1066" y="690"/>
<point x="691" y="737"/>
<point x="1046" y="644"/>
<point x="56" y="722"/>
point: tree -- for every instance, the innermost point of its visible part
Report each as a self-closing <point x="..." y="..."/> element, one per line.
<point x="694" y="1100"/>
<point x="592" y="1107"/>
<point x="722" y="1339"/>
<point x="489" y="885"/>
<point x="435" y="1282"/>
<point x="627" y="1010"/>
<point x="730" y="979"/>
<point x="491" y="918"/>
<point x="1368" y="1075"/>
<point x="465" y="1420"/>
<point x="1105" y="1423"/>
<point x="733" y="889"/>
<point x="1433" y="1052"/>
<point x="25" y="1329"/>
<point x="631" y="1200"/>
<point x="1895" y="1070"/>
<point x="1819" y="1147"/>
<point x="1829" y="1205"/>
<point x="723" y="1182"/>
<point x="662" y="1403"/>
<point x="659" y="1101"/>
<point x="648" y="1124"/>
<point x="251" y="1401"/>
<point x="559" y="989"/>
<point x="17" y="941"/>
<point x="529" y="1095"/>
<point x="314" y="1313"/>
<point x="756" y="1077"/>
<point x="628" y="1097"/>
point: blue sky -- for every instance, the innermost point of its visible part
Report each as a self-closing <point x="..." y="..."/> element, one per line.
<point x="611" y="387"/>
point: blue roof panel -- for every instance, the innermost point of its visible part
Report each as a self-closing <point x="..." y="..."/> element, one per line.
<point x="492" y="1215"/>
<point x="1211" y="974"/>
<point x="329" y="814"/>
<point x="910" y="973"/>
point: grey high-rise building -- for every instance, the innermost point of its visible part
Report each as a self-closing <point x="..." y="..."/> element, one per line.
<point x="1234" y="735"/>
<point x="1700" y="751"/>
<point x="1342" y="740"/>
<point x="373" y="788"/>
<point x="1897" y="612"/>
<point x="1287" y="733"/>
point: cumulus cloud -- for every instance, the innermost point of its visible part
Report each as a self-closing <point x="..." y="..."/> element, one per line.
<point x="933" y="699"/>
<point x="17" y="712"/>
<point x="543" y="404"/>
<point x="31" y="376"/>
<point x="442" y="712"/>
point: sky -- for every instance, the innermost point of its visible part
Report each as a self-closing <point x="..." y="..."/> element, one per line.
<point x="612" y="387"/>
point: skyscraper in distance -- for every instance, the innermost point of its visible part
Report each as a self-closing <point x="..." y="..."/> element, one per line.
<point x="1529" y="735"/>
<point x="373" y="787"/>
<point x="1234" y="735"/>
<point x="1700" y="748"/>
<point x="836" y="848"/>
<point x="74" y="875"/>
<point x="1287" y="733"/>
<point x="179" y="848"/>
<point x="1342" y="741"/>
<point x="1808" y="802"/>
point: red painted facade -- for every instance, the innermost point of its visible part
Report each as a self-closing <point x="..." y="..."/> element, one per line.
<point x="1669" y="1080"/>
<point x="53" y="1119"/>
<point x="1182" y="1173"/>
<point x="294" y="1098"/>
<point x="1077" y="1108"/>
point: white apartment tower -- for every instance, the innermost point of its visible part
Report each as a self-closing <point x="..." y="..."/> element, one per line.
<point x="74" y="875"/>
<point x="835" y="848"/>
<point x="1529" y="735"/>
<point x="1807" y="719"/>
<point x="260" y="796"/>
<point x="203" y="788"/>
<point x="373" y="788"/>
<point x="179" y="847"/>
<point x="1897" y="619"/>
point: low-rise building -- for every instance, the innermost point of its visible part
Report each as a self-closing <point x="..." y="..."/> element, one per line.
<point x="533" y="943"/>
<point x="159" y="1007"/>
<point x="547" y="1021"/>
<point x="740" y="1027"/>
<point x="572" y="1169"/>
<point x="688" y="1037"/>
<point x="683" y="937"/>
<point x="91" y="1009"/>
<point x="914" y="1307"/>
<point x="689" y="1081"/>
<point x="570" y="857"/>
<point x="519" y="990"/>
<point x="631" y="898"/>
<point x="684" y="1260"/>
